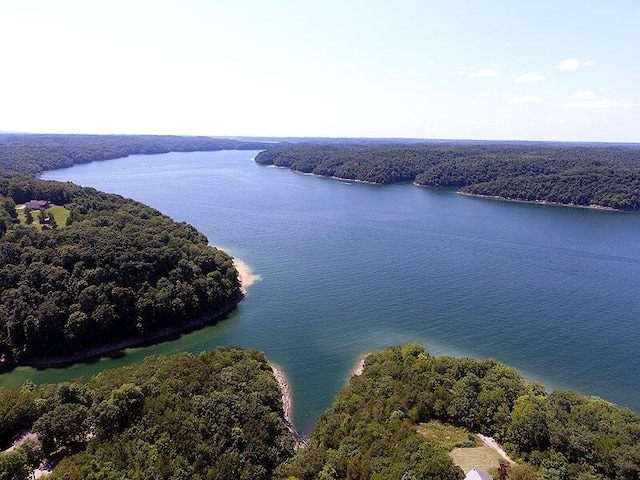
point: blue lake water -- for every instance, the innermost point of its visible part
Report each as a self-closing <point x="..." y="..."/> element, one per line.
<point x="350" y="268"/>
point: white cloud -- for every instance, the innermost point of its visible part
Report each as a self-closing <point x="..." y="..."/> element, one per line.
<point x="486" y="73"/>
<point x="529" y="77"/>
<point x="574" y="64"/>
<point x="584" y="95"/>
<point x="596" y="103"/>
<point x="523" y="99"/>
<point x="587" y="99"/>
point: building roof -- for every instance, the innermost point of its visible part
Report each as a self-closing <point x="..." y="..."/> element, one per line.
<point x="477" y="474"/>
<point x="42" y="203"/>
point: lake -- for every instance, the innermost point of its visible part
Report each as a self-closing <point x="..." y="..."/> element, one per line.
<point x="349" y="268"/>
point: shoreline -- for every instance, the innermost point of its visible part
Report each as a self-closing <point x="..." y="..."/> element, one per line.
<point x="466" y="194"/>
<point x="245" y="275"/>
<point x="359" y="366"/>
<point x="94" y="354"/>
<point x="317" y="175"/>
<point x="300" y="441"/>
<point x="535" y="202"/>
<point x="158" y="336"/>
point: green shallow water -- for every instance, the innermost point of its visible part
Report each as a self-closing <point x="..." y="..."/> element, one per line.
<point x="350" y="268"/>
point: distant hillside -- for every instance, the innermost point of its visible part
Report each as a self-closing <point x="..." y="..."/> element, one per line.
<point x="31" y="153"/>
<point x="572" y="174"/>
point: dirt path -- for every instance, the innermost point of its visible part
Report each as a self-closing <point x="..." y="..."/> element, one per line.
<point x="491" y="442"/>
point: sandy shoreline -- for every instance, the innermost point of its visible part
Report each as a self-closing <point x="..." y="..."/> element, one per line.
<point x="245" y="274"/>
<point x="300" y="440"/>
<point x="287" y="399"/>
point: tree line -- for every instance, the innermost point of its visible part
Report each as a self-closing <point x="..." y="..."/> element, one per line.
<point x="579" y="174"/>
<point x="219" y="415"/>
<point x="35" y="153"/>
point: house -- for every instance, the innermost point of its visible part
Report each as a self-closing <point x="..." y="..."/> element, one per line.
<point x="477" y="474"/>
<point x="37" y="204"/>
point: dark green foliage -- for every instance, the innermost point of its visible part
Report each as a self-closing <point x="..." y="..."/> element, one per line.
<point x="7" y="213"/>
<point x="14" y="465"/>
<point x="36" y="153"/>
<point x="602" y="175"/>
<point x="367" y="163"/>
<point x="612" y="187"/>
<point x="371" y="429"/>
<point x="217" y="415"/>
<point x="118" y="270"/>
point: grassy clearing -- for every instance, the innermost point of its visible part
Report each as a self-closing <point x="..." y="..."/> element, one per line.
<point x="447" y="436"/>
<point x="466" y="450"/>
<point x="60" y="213"/>
<point x="484" y="458"/>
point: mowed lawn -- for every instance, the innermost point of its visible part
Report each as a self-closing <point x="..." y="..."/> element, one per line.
<point x="466" y="449"/>
<point x="60" y="213"/>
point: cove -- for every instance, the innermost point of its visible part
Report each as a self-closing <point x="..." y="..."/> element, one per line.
<point x="349" y="268"/>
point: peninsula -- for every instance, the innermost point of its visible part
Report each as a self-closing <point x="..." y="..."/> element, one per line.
<point x="586" y="175"/>
<point x="117" y="274"/>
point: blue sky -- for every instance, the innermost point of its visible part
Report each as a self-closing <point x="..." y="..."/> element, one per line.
<point x="476" y="69"/>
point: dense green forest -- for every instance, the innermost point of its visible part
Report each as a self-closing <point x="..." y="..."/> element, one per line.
<point x="370" y="432"/>
<point x="217" y="415"/>
<point x="117" y="270"/>
<point x="37" y="153"/>
<point x="586" y="175"/>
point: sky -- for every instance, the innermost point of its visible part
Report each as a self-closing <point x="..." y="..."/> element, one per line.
<point x="561" y="70"/>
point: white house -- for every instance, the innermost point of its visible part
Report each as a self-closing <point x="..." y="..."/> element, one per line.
<point x="477" y="474"/>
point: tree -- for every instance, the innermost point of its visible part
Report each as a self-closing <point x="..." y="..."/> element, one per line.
<point x="529" y="430"/>
<point x="52" y="221"/>
<point x="14" y="466"/>
<point x="66" y="423"/>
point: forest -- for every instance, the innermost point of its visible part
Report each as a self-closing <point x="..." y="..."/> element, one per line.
<point x="372" y="429"/>
<point x="117" y="270"/>
<point x="219" y="415"/>
<point x="604" y="175"/>
<point x="35" y="153"/>
<point x="216" y="415"/>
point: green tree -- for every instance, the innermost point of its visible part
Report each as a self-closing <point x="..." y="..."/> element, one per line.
<point x="64" y="424"/>
<point x="52" y="221"/>
<point x="14" y="466"/>
<point x="529" y="430"/>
